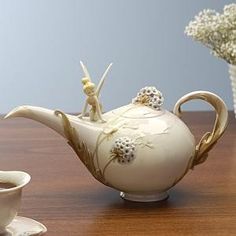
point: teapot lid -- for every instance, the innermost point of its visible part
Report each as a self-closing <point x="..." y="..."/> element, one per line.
<point x="146" y="104"/>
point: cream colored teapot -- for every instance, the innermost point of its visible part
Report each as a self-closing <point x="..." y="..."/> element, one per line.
<point x="140" y="149"/>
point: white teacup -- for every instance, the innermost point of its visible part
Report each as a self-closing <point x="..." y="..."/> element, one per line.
<point x="11" y="185"/>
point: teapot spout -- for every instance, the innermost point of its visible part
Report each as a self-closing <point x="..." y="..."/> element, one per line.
<point x="42" y="115"/>
<point x="77" y="132"/>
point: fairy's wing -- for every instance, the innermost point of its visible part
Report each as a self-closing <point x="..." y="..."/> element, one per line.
<point x="102" y="80"/>
<point x="85" y="70"/>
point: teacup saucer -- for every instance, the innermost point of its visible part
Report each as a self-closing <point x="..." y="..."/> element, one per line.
<point x="22" y="226"/>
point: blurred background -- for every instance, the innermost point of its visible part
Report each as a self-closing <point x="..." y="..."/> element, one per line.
<point x="43" y="41"/>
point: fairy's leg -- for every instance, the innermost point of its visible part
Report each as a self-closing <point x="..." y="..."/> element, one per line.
<point x="92" y="114"/>
<point x="99" y="113"/>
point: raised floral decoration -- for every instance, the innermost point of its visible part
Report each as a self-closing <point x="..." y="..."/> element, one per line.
<point x="123" y="150"/>
<point x="216" y="31"/>
<point x="149" y="96"/>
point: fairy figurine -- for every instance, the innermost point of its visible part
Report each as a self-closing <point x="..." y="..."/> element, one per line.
<point x="92" y="93"/>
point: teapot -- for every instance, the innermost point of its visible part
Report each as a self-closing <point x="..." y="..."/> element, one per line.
<point x="139" y="149"/>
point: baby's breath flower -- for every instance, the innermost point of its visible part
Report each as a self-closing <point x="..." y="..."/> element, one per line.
<point x="216" y="31"/>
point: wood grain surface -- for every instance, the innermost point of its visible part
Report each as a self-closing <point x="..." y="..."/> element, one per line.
<point x="70" y="202"/>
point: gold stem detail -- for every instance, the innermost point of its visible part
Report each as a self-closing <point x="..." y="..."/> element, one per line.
<point x="80" y="148"/>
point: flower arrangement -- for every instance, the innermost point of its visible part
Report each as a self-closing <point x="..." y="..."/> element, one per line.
<point x="216" y="31"/>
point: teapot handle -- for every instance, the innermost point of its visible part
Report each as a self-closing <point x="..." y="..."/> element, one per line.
<point x="209" y="139"/>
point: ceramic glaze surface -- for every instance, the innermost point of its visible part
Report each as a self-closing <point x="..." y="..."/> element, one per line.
<point x="10" y="198"/>
<point x="163" y="149"/>
<point x="139" y="149"/>
<point x="232" y="73"/>
<point x="22" y="226"/>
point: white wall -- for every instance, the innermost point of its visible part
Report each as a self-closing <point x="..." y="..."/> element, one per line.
<point x="41" y="43"/>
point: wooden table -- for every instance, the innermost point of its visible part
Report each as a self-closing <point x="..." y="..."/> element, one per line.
<point x="70" y="202"/>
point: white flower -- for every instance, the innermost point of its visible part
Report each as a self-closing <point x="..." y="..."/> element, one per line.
<point x="216" y="31"/>
<point x="149" y="96"/>
<point x="123" y="150"/>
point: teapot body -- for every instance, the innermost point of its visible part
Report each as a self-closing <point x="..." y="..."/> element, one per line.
<point x="141" y="151"/>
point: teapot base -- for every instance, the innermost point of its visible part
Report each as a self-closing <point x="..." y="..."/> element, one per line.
<point x="148" y="197"/>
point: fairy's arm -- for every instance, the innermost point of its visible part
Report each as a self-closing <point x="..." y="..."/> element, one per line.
<point x="84" y="110"/>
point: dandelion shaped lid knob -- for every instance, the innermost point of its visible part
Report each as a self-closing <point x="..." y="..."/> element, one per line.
<point x="149" y="96"/>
